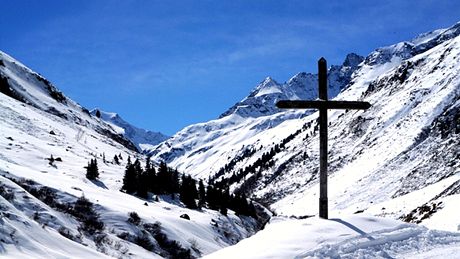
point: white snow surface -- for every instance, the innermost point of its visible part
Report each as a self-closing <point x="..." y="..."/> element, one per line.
<point x="345" y="237"/>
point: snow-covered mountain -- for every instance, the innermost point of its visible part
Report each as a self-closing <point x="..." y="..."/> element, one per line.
<point x="398" y="159"/>
<point x="204" y="148"/>
<point x="49" y="209"/>
<point x="261" y="101"/>
<point x="143" y="139"/>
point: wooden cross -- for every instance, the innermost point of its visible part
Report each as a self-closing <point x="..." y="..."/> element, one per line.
<point x="323" y="104"/>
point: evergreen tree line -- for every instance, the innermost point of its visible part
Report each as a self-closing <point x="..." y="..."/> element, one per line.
<point x="140" y="181"/>
<point x="255" y="169"/>
<point x="248" y="152"/>
<point x="221" y="199"/>
<point x="263" y="163"/>
<point x="164" y="180"/>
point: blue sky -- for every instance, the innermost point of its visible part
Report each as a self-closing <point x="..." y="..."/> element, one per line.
<point x="163" y="65"/>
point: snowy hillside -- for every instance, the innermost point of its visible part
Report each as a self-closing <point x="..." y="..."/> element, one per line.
<point x="29" y="87"/>
<point x="143" y="139"/>
<point x="405" y="146"/>
<point x="49" y="209"/>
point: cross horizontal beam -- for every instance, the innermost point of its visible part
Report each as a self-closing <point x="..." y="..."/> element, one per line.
<point x="321" y="104"/>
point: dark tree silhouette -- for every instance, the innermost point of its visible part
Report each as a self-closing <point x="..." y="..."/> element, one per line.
<point x="201" y="194"/>
<point x="116" y="160"/>
<point x="151" y="177"/>
<point x="188" y="192"/>
<point x="92" y="171"/>
<point x="130" y="178"/>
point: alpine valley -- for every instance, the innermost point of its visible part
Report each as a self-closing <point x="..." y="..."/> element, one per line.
<point x="394" y="169"/>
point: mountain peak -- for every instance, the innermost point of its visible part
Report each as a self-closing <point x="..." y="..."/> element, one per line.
<point x="352" y="60"/>
<point x="267" y="82"/>
<point x="261" y="101"/>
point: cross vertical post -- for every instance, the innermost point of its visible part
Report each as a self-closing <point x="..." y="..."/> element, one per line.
<point x="322" y="82"/>
<point x="323" y="104"/>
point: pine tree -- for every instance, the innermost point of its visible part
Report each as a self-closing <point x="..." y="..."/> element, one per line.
<point x="151" y="176"/>
<point x="183" y="191"/>
<point x="188" y="192"/>
<point x="173" y="181"/>
<point x="212" y="197"/>
<point x="138" y="169"/>
<point x="116" y="160"/>
<point x="130" y="178"/>
<point x="147" y="164"/>
<point x="143" y="185"/>
<point x="92" y="171"/>
<point x="201" y="194"/>
<point x="162" y="179"/>
<point x="225" y="196"/>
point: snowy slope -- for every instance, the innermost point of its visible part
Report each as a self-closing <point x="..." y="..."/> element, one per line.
<point x="143" y="139"/>
<point x="29" y="87"/>
<point x="31" y="132"/>
<point x="406" y="143"/>
<point x="348" y="237"/>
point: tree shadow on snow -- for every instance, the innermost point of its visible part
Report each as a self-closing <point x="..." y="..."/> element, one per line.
<point x="99" y="184"/>
<point x="171" y="199"/>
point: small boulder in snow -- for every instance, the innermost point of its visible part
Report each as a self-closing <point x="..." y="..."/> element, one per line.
<point x="185" y="216"/>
